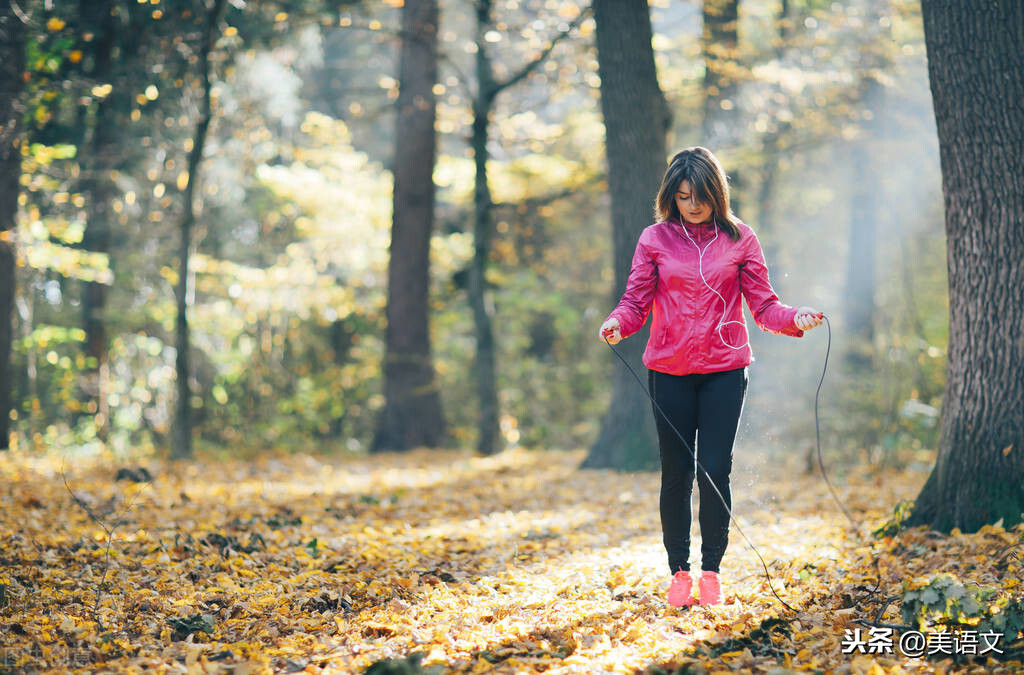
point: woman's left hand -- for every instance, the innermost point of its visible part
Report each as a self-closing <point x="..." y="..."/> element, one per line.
<point x="807" y="318"/>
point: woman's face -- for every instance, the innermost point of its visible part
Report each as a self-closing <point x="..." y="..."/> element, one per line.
<point x="691" y="210"/>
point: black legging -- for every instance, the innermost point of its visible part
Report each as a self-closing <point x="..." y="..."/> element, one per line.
<point x="704" y="408"/>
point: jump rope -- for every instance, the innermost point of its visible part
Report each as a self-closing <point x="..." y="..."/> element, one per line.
<point x="817" y="426"/>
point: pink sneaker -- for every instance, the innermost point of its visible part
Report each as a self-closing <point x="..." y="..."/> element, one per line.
<point x="710" y="589"/>
<point x="680" y="593"/>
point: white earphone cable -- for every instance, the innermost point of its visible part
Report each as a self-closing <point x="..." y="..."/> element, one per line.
<point x="725" y="307"/>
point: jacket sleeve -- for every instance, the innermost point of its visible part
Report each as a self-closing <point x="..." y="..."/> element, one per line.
<point x="769" y="313"/>
<point x="635" y="304"/>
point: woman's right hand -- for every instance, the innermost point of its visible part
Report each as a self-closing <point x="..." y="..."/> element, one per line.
<point x="610" y="331"/>
<point x="807" y="318"/>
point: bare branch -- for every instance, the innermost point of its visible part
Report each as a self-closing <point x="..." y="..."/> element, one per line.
<point x="19" y="13"/>
<point x="885" y="605"/>
<point x="110" y="536"/>
<point x="85" y="507"/>
<point x="875" y="624"/>
<point x="379" y="30"/>
<point x="539" y="200"/>
<point x="542" y="57"/>
<point x="460" y="76"/>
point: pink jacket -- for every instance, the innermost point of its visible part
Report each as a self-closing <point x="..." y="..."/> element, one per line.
<point x="693" y="276"/>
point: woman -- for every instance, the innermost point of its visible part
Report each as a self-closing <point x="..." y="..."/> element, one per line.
<point x="691" y="268"/>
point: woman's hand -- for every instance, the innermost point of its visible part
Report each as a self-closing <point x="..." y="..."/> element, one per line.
<point x="610" y="331"/>
<point x="807" y="318"/>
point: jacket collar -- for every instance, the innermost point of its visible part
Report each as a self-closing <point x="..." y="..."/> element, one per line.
<point x="697" y="231"/>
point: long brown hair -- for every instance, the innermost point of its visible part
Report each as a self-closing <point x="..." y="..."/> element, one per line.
<point x="702" y="169"/>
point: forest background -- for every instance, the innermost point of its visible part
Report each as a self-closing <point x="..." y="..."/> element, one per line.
<point x="275" y="239"/>
<point x="823" y="122"/>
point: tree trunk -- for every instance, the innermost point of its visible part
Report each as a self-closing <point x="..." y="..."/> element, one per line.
<point x="867" y="216"/>
<point x="720" y="126"/>
<point x="771" y="149"/>
<point x="12" y="66"/>
<point x="719" y="39"/>
<point x="181" y="438"/>
<point x="340" y="338"/>
<point x="412" y="410"/>
<point x="488" y="435"/>
<point x="102" y="158"/>
<point x="636" y="119"/>
<point x="865" y="212"/>
<point x="488" y="88"/>
<point x="768" y="212"/>
<point x="979" y="474"/>
<point x="26" y="308"/>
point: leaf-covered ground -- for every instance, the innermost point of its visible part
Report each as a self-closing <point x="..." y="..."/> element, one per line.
<point x="514" y="563"/>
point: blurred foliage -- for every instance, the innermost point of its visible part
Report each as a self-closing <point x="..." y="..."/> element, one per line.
<point x="890" y="409"/>
<point x="288" y="286"/>
<point x="944" y="602"/>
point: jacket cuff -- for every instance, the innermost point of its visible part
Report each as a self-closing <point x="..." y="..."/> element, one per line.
<point x="793" y="331"/>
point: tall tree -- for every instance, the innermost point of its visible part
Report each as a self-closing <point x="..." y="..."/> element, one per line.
<point x="488" y="88"/>
<point x="979" y="473"/>
<point x="412" y="410"/>
<point x="720" y="126"/>
<point x="771" y="150"/>
<point x="484" y="368"/>
<point x="102" y="155"/>
<point x="181" y="442"/>
<point x="12" y="68"/>
<point x="636" y="120"/>
<point x="866" y="214"/>
<point x="719" y="40"/>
